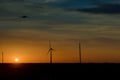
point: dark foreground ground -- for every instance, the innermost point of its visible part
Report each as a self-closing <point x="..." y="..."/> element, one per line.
<point x="58" y="71"/>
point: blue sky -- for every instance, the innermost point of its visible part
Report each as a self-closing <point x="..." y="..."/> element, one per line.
<point x="95" y="22"/>
<point x="43" y="12"/>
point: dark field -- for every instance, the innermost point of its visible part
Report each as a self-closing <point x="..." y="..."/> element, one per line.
<point x="57" y="71"/>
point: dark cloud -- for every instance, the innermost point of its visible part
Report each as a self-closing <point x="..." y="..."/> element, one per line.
<point x="107" y="40"/>
<point x="2" y="1"/>
<point x="106" y="8"/>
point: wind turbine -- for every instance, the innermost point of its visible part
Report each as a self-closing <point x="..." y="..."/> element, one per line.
<point x="50" y="51"/>
<point x="80" y="55"/>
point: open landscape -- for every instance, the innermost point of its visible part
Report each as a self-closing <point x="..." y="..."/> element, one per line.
<point x="59" y="39"/>
<point x="57" y="71"/>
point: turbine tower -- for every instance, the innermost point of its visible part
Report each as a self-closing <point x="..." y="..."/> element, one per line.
<point x="50" y="51"/>
<point x="80" y="56"/>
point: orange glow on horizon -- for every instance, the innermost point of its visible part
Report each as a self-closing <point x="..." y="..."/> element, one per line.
<point x="16" y="59"/>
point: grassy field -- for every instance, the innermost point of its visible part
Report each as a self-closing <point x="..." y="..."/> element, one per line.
<point x="56" y="71"/>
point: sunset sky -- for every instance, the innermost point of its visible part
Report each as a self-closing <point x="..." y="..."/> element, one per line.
<point x="96" y="23"/>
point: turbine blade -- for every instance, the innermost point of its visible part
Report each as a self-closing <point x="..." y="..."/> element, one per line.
<point x="48" y="51"/>
<point x="52" y="49"/>
<point x="49" y="44"/>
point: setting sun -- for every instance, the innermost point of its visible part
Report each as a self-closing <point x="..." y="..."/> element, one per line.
<point x="16" y="59"/>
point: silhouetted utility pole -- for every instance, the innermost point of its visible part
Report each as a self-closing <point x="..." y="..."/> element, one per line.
<point x="80" y="56"/>
<point x="2" y="57"/>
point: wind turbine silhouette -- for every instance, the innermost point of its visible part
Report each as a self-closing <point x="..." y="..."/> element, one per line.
<point x="50" y="51"/>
